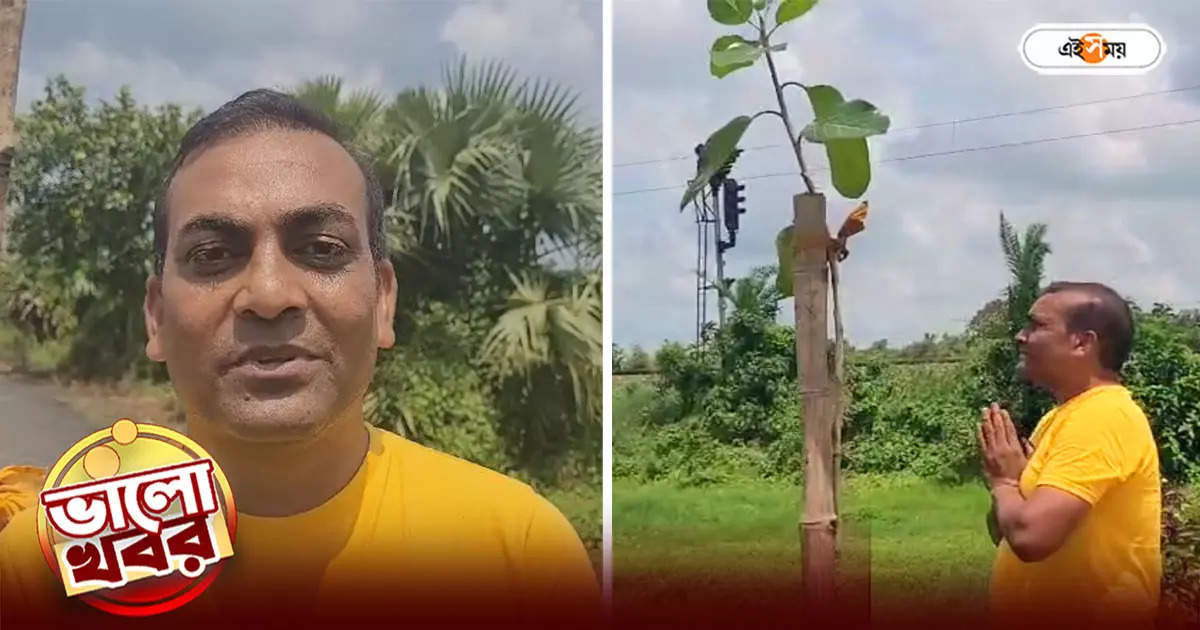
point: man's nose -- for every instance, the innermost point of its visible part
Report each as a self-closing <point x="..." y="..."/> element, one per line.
<point x="271" y="285"/>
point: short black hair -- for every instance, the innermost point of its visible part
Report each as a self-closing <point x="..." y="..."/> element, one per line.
<point x="265" y="110"/>
<point x="1107" y="314"/>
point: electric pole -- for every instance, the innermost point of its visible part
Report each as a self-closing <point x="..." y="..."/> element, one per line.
<point x="12" y="24"/>
<point x="721" y="246"/>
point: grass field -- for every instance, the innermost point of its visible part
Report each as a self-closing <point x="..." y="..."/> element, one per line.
<point x="920" y="536"/>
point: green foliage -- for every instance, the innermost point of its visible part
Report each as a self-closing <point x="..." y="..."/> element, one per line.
<point x="792" y="9"/>
<point x="356" y="115"/>
<point x="737" y="390"/>
<point x="539" y="329"/>
<point x="723" y="410"/>
<point x="432" y="390"/>
<point x="544" y="354"/>
<point x="717" y="149"/>
<point x="841" y="126"/>
<point x="83" y="186"/>
<point x="732" y="52"/>
<point x="1026" y="263"/>
<point x="639" y="359"/>
<point x="849" y="159"/>
<point x="1163" y="373"/>
<point x="785" y="255"/>
<point x="731" y="12"/>
<point x="909" y="418"/>
<point x="993" y="357"/>
<point x="1181" y="550"/>
<point x="492" y="180"/>
<point x="847" y="120"/>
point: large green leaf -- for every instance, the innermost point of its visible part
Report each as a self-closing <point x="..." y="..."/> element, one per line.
<point x="792" y="9"/>
<point x="717" y="149"/>
<point x="849" y="166"/>
<point x="824" y="99"/>
<point x="849" y="159"/>
<point x="731" y="12"/>
<point x="784" y="250"/>
<point x="732" y="52"/>
<point x="853" y="119"/>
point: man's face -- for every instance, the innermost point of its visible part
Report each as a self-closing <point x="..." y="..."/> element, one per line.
<point x="269" y="310"/>
<point x="1045" y="345"/>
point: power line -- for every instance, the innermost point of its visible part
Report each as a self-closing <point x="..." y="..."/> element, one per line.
<point x="921" y="156"/>
<point x="956" y="121"/>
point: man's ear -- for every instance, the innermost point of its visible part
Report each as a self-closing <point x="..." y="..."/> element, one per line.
<point x="152" y="311"/>
<point x="385" y="306"/>
<point x="1086" y="341"/>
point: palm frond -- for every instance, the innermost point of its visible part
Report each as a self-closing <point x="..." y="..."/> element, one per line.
<point x="1011" y="245"/>
<point x="564" y="332"/>
<point x="321" y="94"/>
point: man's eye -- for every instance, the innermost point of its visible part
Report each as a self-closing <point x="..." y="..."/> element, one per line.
<point x="324" y="252"/>
<point x="207" y="257"/>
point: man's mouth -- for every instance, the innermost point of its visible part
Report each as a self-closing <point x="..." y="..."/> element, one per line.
<point x="274" y="362"/>
<point x="268" y="363"/>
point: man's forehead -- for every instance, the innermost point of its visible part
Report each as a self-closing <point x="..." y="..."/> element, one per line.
<point x="264" y="175"/>
<point x="1056" y="305"/>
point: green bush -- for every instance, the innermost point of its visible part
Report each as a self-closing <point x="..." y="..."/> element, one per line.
<point x="785" y="454"/>
<point x="88" y="176"/>
<point x="431" y="390"/>
<point x="738" y="391"/>
<point x="909" y="418"/>
<point x="1163" y="374"/>
<point x="1181" y="550"/>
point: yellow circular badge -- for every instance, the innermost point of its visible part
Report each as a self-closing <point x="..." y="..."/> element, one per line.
<point x="136" y="519"/>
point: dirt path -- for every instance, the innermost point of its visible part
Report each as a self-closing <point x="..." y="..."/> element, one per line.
<point x="35" y="426"/>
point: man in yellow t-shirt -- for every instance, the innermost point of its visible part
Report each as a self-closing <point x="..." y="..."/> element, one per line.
<point x="271" y="295"/>
<point x="1078" y="508"/>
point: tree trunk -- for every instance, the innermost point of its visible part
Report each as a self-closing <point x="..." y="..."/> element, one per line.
<point x="12" y="23"/>
<point x="811" y="284"/>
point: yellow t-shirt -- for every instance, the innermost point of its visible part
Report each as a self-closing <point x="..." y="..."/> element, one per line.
<point x="415" y="534"/>
<point x="1099" y="447"/>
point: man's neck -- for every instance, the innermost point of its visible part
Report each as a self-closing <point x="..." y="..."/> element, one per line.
<point x="1069" y="390"/>
<point x="277" y="479"/>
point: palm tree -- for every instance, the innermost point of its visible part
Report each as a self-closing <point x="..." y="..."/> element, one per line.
<point x="356" y="115"/>
<point x="552" y="327"/>
<point x="1026" y="262"/>
<point x="1026" y="259"/>
<point x="488" y="151"/>
<point x="494" y="193"/>
<point x="756" y="293"/>
<point x="499" y="185"/>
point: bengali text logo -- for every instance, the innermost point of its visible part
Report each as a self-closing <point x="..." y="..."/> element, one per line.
<point x="1092" y="48"/>
<point x="136" y="519"/>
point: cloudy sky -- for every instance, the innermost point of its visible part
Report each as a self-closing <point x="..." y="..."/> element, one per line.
<point x="203" y="53"/>
<point x="1120" y="208"/>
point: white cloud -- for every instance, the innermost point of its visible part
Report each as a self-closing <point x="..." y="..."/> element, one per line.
<point x="153" y="79"/>
<point x="522" y="29"/>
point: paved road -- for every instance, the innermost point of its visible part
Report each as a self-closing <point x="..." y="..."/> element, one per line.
<point x="34" y="427"/>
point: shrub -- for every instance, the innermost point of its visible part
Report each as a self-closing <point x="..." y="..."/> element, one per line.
<point x="431" y="390"/>
<point x="1164" y="375"/>
<point x="1181" y="551"/>
<point x="909" y="418"/>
